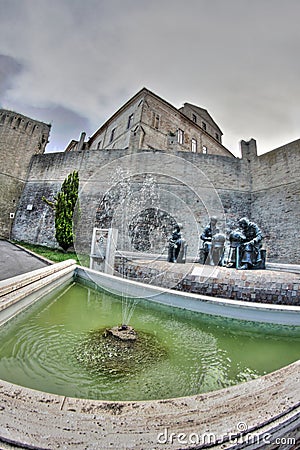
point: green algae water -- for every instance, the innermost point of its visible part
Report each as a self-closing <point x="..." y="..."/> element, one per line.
<point x="58" y="346"/>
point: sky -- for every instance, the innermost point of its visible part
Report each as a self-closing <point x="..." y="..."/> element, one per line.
<point x="73" y="63"/>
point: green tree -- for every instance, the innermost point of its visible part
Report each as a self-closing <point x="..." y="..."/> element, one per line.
<point x="64" y="206"/>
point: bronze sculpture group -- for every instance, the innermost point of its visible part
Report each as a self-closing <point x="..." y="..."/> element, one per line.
<point x="245" y="246"/>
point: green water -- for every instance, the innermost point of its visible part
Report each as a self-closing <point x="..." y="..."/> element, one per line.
<point x="49" y="347"/>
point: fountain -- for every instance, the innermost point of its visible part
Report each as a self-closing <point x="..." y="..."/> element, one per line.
<point x="123" y="332"/>
<point x="130" y="206"/>
<point x="118" y="351"/>
<point x="131" y="391"/>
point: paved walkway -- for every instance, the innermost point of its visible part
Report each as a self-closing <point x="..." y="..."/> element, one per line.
<point x="15" y="261"/>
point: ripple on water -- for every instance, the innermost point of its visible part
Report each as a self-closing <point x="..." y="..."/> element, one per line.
<point x="103" y="354"/>
<point x="51" y="348"/>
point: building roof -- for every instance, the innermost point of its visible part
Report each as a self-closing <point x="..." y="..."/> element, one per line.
<point x="71" y="145"/>
<point x="205" y="114"/>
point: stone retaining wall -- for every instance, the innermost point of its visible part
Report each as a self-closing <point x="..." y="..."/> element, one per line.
<point x="264" y="286"/>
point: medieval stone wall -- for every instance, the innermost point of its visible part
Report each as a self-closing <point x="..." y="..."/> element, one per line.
<point x="184" y="182"/>
<point x="276" y="199"/>
<point x="191" y="187"/>
<point x="20" y="138"/>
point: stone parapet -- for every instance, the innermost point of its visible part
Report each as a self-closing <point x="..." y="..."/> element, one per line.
<point x="18" y="292"/>
<point x="262" y="413"/>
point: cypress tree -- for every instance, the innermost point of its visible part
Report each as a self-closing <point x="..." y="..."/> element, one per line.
<point x="64" y="207"/>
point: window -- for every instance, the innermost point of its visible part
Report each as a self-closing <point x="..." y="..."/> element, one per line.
<point x="130" y="121"/>
<point x="155" y="120"/>
<point x="217" y="137"/>
<point x="99" y="144"/>
<point x="180" y="136"/>
<point x="194" y="146"/>
<point x="112" y="135"/>
<point x="203" y="125"/>
<point x="204" y="149"/>
<point x="194" y="118"/>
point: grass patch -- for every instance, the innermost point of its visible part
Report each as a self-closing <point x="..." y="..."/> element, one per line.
<point x="55" y="254"/>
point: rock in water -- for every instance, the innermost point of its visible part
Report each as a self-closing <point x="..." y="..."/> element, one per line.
<point x="124" y="332"/>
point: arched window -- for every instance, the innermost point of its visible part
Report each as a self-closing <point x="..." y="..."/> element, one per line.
<point x="194" y="145"/>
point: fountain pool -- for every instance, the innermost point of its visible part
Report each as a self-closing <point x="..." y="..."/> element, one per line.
<point x="57" y="346"/>
<point x="264" y="408"/>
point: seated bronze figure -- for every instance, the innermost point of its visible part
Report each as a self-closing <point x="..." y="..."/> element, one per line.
<point x="245" y="246"/>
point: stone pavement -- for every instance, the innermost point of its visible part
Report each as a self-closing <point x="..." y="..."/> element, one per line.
<point x="15" y="261"/>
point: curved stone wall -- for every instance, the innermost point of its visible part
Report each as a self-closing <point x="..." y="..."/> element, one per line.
<point x="262" y="413"/>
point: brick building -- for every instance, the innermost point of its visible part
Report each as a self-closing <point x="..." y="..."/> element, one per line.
<point x="146" y="121"/>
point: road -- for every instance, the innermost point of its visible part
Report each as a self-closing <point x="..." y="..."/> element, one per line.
<point x="15" y="261"/>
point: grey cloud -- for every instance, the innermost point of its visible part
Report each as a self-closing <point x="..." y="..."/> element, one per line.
<point x="236" y="58"/>
<point x="65" y="125"/>
<point x="9" y="68"/>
